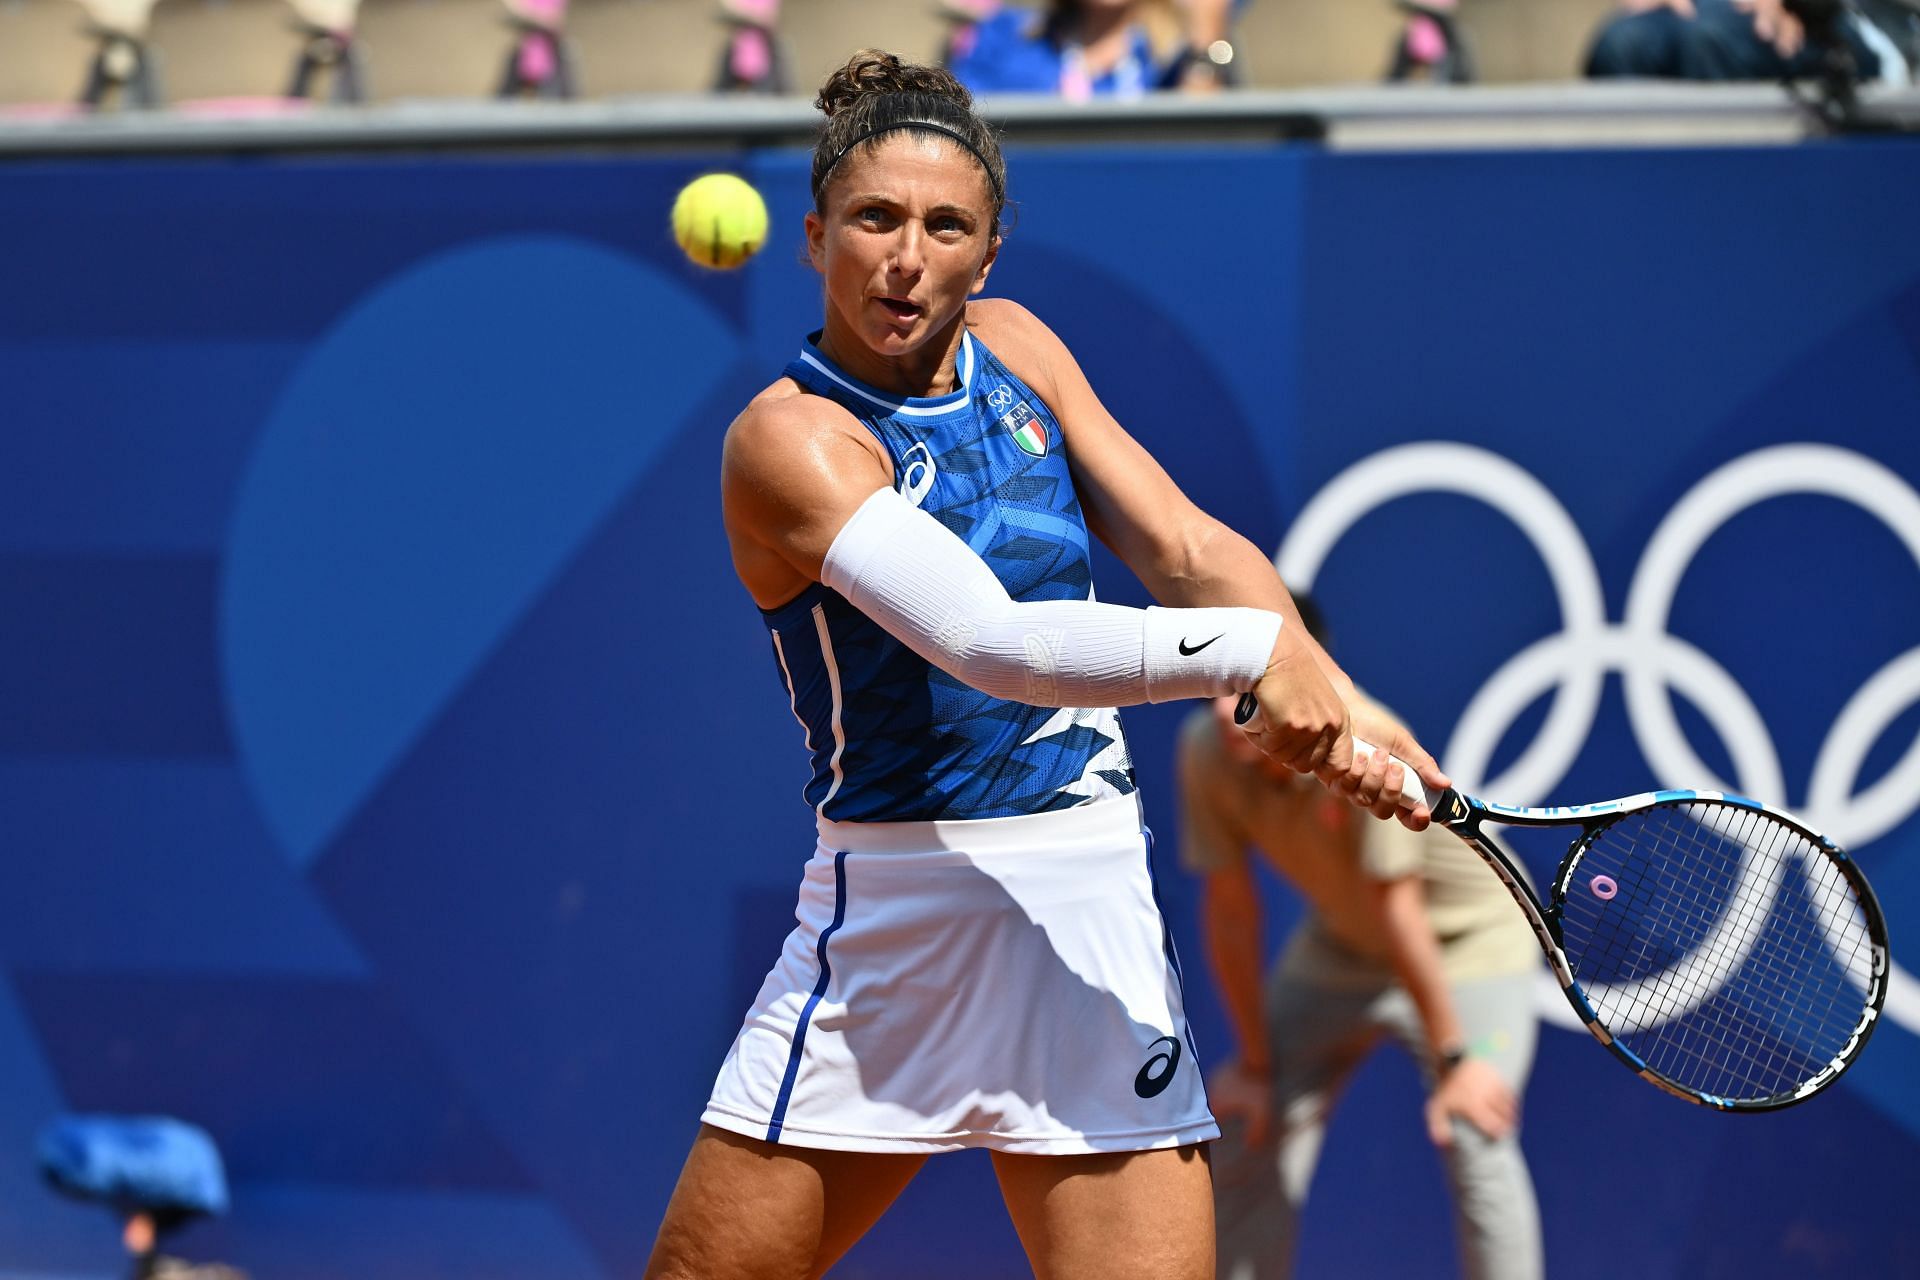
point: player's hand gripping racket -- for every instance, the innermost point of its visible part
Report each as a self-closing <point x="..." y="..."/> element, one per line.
<point x="1722" y="949"/>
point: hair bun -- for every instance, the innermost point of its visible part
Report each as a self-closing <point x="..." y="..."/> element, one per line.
<point x="873" y="72"/>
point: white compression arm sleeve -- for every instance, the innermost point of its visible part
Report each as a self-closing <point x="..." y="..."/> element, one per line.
<point x="929" y="590"/>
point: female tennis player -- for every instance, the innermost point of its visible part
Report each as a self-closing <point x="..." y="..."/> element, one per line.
<point x="979" y="960"/>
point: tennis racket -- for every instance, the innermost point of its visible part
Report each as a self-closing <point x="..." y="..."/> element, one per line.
<point x="1722" y="949"/>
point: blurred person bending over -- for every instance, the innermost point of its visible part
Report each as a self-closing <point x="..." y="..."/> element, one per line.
<point x="1408" y="936"/>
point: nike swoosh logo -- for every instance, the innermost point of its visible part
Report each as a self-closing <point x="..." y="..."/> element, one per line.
<point x="1188" y="653"/>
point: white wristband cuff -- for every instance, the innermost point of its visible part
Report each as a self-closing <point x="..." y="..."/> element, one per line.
<point x="1203" y="653"/>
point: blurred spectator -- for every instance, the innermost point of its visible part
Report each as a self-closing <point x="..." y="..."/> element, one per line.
<point x="1431" y="45"/>
<point x="1078" y="49"/>
<point x="540" y="63"/>
<point x="155" y="1173"/>
<point x="1211" y="60"/>
<point x="327" y="48"/>
<point x="963" y="19"/>
<point x="124" y="66"/>
<point x="754" y="60"/>
<point x="1730" y="40"/>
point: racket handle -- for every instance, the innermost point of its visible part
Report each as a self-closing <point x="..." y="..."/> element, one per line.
<point x="1412" y="793"/>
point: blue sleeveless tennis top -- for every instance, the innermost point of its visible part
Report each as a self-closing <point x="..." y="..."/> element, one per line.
<point x="893" y="738"/>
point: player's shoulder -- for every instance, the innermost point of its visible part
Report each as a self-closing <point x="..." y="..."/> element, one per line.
<point x="782" y="417"/>
<point x="788" y="445"/>
<point x="1002" y="322"/>
<point x="1021" y="340"/>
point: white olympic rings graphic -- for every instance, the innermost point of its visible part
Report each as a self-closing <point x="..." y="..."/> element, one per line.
<point x="1575" y="662"/>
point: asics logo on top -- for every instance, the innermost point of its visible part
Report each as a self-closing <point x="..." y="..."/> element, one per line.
<point x="1151" y="1083"/>
<point x="917" y="473"/>
<point x="1186" y="652"/>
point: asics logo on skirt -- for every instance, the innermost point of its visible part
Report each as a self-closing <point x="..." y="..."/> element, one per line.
<point x="1158" y="1073"/>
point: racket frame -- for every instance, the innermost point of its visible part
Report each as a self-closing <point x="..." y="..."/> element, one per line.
<point x="1465" y="816"/>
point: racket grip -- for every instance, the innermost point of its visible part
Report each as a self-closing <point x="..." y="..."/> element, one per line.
<point x="1412" y="793"/>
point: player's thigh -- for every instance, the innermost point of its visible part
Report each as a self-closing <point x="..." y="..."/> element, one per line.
<point x="750" y="1210"/>
<point x="1119" y="1216"/>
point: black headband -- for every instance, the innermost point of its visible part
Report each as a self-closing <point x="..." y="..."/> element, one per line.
<point x="993" y="182"/>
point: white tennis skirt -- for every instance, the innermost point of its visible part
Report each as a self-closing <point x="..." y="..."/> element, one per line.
<point x="1004" y="983"/>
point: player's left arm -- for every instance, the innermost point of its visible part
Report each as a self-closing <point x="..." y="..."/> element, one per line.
<point x="1471" y="1088"/>
<point x="1182" y="555"/>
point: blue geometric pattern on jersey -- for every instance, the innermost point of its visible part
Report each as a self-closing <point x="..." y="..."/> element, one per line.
<point x="893" y="738"/>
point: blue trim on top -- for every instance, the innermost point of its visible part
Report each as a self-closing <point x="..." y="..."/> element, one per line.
<point x="960" y="397"/>
<point x="819" y="989"/>
<point x="798" y="607"/>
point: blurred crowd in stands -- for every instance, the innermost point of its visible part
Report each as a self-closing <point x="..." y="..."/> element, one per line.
<point x="1073" y="49"/>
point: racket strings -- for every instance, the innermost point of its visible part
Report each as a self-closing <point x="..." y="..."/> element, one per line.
<point x="1723" y="1022"/>
<point x="1732" y="1022"/>
<point x="1731" y="954"/>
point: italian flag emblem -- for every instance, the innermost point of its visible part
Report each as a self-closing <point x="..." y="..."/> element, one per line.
<point x="1028" y="431"/>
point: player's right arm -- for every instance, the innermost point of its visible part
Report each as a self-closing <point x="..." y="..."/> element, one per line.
<point x="807" y="499"/>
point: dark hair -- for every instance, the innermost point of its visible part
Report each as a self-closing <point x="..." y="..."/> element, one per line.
<point x="876" y="94"/>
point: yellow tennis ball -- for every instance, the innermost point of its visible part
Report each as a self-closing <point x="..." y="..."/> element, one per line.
<point x="719" y="220"/>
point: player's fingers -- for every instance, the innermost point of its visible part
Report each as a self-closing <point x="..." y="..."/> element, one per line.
<point x="1421" y="761"/>
<point x="1335" y="752"/>
<point x="1439" y="1124"/>
<point x="1386" y="798"/>
<point x="1322" y="754"/>
<point x="1297" y="749"/>
<point x="1361" y="782"/>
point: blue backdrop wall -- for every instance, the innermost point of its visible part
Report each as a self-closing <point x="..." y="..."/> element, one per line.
<point x="394" y="780"/>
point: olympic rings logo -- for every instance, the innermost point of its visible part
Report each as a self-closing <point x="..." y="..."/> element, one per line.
<point x="1576" y="661"/>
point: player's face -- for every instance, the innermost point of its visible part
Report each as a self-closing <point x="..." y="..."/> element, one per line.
<point x="905" y="239"/>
